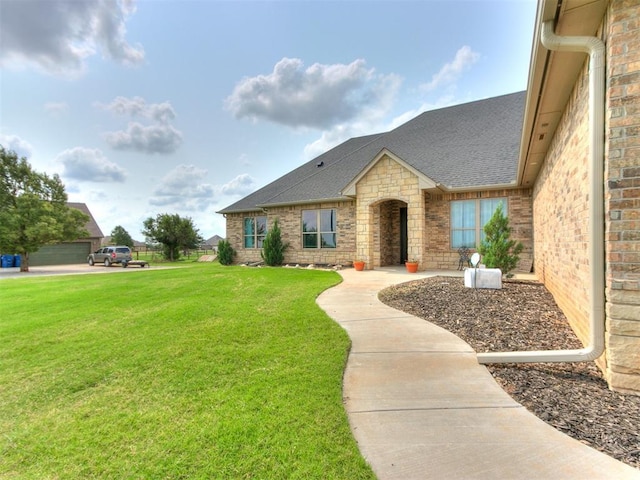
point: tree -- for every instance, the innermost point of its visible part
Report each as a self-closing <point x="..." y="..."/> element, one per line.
<point x="272" y="246"/>
<point x="119" y="236"/>
<point x="497" y="249"/>
<point x="33" y="209"/>
<point x="173" y="232"/>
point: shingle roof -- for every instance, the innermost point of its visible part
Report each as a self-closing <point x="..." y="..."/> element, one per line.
<point x="91" y="226"/>
<point x="466" y="146"/>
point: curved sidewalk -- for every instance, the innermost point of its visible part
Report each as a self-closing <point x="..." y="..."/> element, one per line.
<point x="420" y="406"/>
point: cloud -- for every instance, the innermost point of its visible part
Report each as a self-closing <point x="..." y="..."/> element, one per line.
<point x="241" y="185"/>
<point x="57" y="36"/>
<point x="90" y="165"/>
<point x="56" y="109"/>
<point x="159" y="137"/>
<point x="138" y="107"/>
<point x="183" y="189"/>
<point x="145" y="139"/>
<point x="451" y="71"/>
<point x="16" y="144"/>
<point x="319" y="96"/>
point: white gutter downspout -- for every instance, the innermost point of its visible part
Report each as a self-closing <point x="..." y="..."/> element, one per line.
<point x="596" y="50"/>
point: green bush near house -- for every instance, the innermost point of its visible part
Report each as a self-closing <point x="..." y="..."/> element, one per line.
<point x="226" y="252"/>
<point x="497" y="248"/>
<point x="201" y="371"/>
<point x="273" y="248"/>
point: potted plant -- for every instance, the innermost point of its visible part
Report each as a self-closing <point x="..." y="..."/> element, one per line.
<point x="412" y="265"/>
<point x="358" y="265"/>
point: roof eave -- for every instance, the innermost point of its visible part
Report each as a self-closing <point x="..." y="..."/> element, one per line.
<point x="544" y="105"/>
<point x="480" y="188"/>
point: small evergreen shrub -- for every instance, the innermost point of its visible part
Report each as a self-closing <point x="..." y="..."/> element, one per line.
<point x="273" y="248"/>
<point x="225" y="252"/>
<point x="497" y="249"/>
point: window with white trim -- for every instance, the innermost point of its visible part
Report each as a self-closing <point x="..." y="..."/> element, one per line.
<point x="319" y="228"/>
<point x="255" y="229"/>
<point x="468" y="218"/>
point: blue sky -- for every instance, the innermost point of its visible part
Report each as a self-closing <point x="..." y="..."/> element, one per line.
<point x="167" y="106"/>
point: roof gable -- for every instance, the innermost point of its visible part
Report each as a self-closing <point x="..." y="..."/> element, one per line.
<point x="91" y="226"/>
<point x="423" y="181"/>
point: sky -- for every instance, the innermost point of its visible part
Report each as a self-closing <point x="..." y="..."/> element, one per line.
<point x="185" y="106"/>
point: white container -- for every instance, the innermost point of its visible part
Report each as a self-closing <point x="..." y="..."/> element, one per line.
<point x="483" y="278"/>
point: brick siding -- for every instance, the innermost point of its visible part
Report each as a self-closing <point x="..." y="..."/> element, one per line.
<point x="560" y="204"/>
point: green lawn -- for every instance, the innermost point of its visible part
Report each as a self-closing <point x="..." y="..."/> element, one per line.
<point x="195" y="372"/>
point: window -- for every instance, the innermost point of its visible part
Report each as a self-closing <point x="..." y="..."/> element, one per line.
<point x="255" y="229"/>
<point x="319" y="228"/>
<point x="468" y="218"/>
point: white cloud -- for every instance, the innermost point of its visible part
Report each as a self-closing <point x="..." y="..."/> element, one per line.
<point x="319" y="96"/>
<point x="57" y="36"/>
<point x="145" y="139"/>
<point x="241" y="185"/>
<point x="90" y="165"/>
<point x="56" y="109"/>
<point x="182" y="188"/>
<point x="451" y="71"/>
<point x="138" y="107"/>
<point x="16" y="144"/>
<point x="159" y="137"/>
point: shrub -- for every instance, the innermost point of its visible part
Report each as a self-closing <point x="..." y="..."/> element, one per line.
<point x="273" y="247"/>
<point x="225" y="252"/>
<point x="497" y="249"/>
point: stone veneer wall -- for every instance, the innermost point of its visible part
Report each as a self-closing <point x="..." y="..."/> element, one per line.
<point x="440" y="255"/>
<point x="388" y="183"/>
<point x="622" y="196"/>
<point x="290" y="221"/>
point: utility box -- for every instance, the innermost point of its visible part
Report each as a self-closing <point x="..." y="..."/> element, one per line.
<point x="483" y="278"/>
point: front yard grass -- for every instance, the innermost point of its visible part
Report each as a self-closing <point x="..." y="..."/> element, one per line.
<point x="197" y="372"/>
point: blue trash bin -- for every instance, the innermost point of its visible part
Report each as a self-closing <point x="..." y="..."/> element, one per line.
<point x="7" y="261"/>
<point x="16" y="260"/>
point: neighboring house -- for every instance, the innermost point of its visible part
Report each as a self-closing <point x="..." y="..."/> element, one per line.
<point x="211" y="243"/>
<point x="420" y="191"/>
<point x="562" y="156"/>
<point x="67" y="253"/>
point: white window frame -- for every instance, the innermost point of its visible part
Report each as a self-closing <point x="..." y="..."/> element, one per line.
<point x="256" y="237"/>
<point x="479" y="222"/>
<point x="321" y="234"/>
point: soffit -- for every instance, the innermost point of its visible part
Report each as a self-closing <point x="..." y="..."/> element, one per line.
<point x="552" y="76"/>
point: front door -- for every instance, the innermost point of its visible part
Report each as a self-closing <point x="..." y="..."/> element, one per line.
<point x="404" y="245"/>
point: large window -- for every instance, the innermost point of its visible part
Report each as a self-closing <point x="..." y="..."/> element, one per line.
<point x="255" y="229"/>
<point x="319" y="228"/>
<point x="468" y="218"/>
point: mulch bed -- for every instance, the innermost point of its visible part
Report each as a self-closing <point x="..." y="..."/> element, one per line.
<point x="572" y="397"/>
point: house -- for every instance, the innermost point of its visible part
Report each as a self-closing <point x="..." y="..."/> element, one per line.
<point x="67" y="253"/>
<point x="420" y="191"/>
<point x="211" y="243"/>
<point x="563" y="157"/>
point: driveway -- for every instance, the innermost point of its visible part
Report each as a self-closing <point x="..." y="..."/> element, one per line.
<point x="76" y="269"/>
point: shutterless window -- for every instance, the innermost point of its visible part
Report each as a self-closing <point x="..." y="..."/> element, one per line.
<point x="255" y="229"/>
<point x="468" y="218"/>
<point x="319" y="228"/>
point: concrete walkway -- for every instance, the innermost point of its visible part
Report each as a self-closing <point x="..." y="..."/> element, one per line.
<point x="420" y="406"/>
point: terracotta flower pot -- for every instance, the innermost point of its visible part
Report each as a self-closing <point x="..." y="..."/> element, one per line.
<point x="412" y="267"/>
<point x="358" y="265"/>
